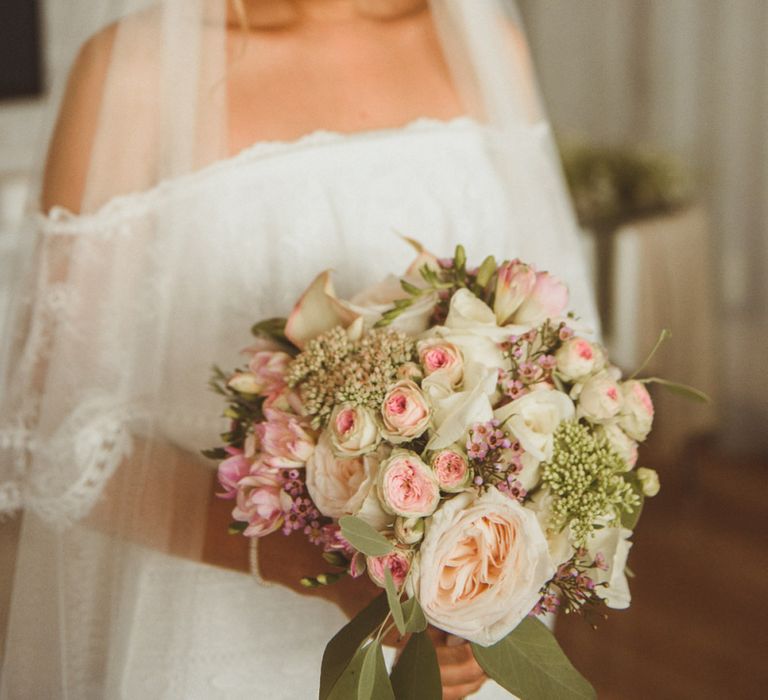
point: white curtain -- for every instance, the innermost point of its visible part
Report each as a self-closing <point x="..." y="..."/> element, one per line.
<point x="689" y="76"/>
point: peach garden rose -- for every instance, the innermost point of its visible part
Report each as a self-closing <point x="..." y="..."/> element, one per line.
<point x="406" y="486"/>
<point x="405" y="412"/>
<point x="481" y="566"/>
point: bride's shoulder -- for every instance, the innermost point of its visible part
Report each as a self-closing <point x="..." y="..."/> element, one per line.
<point x="81" y="108"/>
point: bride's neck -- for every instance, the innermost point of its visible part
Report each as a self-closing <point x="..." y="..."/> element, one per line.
<point x="276" y="13"/>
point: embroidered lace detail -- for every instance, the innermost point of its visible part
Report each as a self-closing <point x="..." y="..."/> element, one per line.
<point x="115" y="215"/>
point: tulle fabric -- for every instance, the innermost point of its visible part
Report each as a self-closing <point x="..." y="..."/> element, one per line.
<point x="177" y="248"/>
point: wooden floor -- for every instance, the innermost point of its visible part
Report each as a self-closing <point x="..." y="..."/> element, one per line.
<point x="698" y="624"/>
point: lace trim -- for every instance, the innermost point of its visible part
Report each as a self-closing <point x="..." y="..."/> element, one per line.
<point x="120" y="209"/>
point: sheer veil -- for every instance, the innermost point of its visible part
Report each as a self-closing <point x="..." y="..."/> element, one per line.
<point x="91" y="399"/>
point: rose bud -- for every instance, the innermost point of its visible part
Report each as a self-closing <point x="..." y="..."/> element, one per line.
<point x="649" y="481"/>
<point x="514" y="283"/>
<point x="406" y="486"/>
<point x="354" y="430"/>
<point x="398" y="561"/>
<point x="405" y="412"/>
<point x="437" y="355"/>
<point x="409" y="530"/>
<point x="452" y="470"/>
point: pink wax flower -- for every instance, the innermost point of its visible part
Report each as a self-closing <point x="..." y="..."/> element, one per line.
<point x="285" y="439"/>
<point x="452" y="470"/>
<point x="398" y="561"/>
<point x="231" y="471"/>
<point x="548" y="299"/>
<point x="405" y="412"/>
<point x="261" y="501"/>
<point x="406" y="486"/>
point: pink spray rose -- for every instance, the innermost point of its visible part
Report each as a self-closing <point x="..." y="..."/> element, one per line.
<point x="285" y="439"/>
<point x="452" y="470"/>
<point x="269" y="367"/>
<point x="261" y="501"/>
<point x="406" y="486"/>
<point x="354" y="430"/>
<point x="437" y="355"/>
<point x="515" y="282"/>
<point x="600" y="397"/>
<point x="578" y="358"/>
<point x="398" y="561"/>
<point x="637" y="410"/>
<point x="548" y="299"/>
<point x="405" y="412"/>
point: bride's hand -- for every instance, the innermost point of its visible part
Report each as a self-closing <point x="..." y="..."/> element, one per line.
<point x="460" y="674"/>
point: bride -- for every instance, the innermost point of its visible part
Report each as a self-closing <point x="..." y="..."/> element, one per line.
<point x="209" y="159"/>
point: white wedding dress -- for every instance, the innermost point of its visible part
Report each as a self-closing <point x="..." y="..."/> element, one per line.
<point x="259" y="227"/>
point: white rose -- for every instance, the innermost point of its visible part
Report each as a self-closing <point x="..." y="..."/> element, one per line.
<point x="637" y="410"/>
<point x="599" y="397"/>
<point x="481" y="566"/>
<point x="354" y="430"/>
<point x="560" y="547"/>
<point x="620" y="442"/>
<point x="578" y="358"/>
<point x="339" y="485"/>
<point x="613" y="544"/>
<point x="534" y="418"/>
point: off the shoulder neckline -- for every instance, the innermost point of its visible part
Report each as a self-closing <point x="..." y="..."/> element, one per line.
<point x="134" y="203"/>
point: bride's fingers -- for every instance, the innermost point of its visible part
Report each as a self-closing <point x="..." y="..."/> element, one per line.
<point x="458" y="692"/>
<point x="458" y="666"/>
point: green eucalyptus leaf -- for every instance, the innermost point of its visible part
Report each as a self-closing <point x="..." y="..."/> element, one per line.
<point x="374" y="681"/>
<point x="236" y="527"/>
<point x="348" y="681"/>
<point x="529" y="663"/>
<point x="363" y="537"/>
<point x="683" y="390"/>
<point x="272" y="328"/>
<point x="416" y="675"/>
<point x="340" y="652"/>
<point x="394" y="602"/>
<point x="415" y="621"/>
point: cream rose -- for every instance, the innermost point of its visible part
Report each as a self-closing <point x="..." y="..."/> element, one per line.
<point x="534" y="418"/>
<point x="452" y="470"/>
<point x="437" y="355"/>
<point x="409" y="530"/>
<point x="405" y="412"/>
<point x="613" y="544"/>
<point x="577" y="358"/>
<point x="406" y="486"/>
<point x="354" y="430"/>
<point x="620" y="443"/>
<point x="481" y="566"/>
<point x="339" y="485"/>
<point x="637" y="410"/>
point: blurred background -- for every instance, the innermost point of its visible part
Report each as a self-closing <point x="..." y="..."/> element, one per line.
<point x="661" y="108"/>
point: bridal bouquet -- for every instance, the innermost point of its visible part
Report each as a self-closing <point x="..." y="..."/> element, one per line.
<point x="452" y="436"/>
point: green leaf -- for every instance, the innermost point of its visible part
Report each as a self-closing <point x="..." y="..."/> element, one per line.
<point x="460" y="259"/>
<point x="663" y="337"/>
<point x="349" y="680"/>
<point x="236" y="527"/>
<point x="374" y="682"/>
<point x="416" y="675"/>
<point x="683" y="390"/>
<point x="340" y="651"/>
<point x="415" y="621"/>
<point x="394" y="602"/>
<point x="216" y="453"/>
<point x="529" y="663"/>
<point x="273" y="329"/>
<point x="363" y="537"/>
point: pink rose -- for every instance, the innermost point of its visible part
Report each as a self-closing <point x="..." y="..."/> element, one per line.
<point x="437" y="355"/>
<point x="406" y="486"/>
<point x="398" y="561"/>
<point x="600" y="397"/>
<point x="261" y="501"/>
<point x="354" y="430"/>
<point x="548" y="299"/>
<point x="405" y="412"/>
<point x="578" y="358"/>
<point x="620" y="443"/>
<point x="452" y="470"/>
<point x="637" y="411"/>
<point x="481" y="566"/>
<point x="285" y="439"/>
<point x="269" y="368"/>
<point x="514" y="283"/>
<point x="231" y="471"/>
